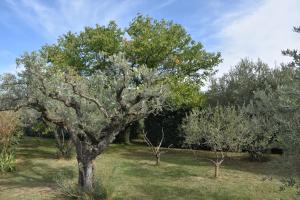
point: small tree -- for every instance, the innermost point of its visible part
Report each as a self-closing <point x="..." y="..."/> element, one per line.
<point x="220" y="128"/>
<point x="156" y="149"/>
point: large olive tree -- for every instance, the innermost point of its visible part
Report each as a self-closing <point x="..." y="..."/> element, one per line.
<point x="92" y="109"/>
<point x="157" y="44"/>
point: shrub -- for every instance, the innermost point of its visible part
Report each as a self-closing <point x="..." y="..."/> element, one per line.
<point x="8" y="140"/>
<point x="7" y="162"/>
<point x="69" y="189"/>
<point x="8" y="130"/>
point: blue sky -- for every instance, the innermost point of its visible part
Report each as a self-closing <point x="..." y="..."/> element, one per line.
<point x="236" y="28"/>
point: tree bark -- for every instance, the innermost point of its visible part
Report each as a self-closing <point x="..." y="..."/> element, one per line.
<point x="85" y="165"/>
<point x="86" y="174"/>
<point x="217" y="169"/>
<point x="157" y="159"/>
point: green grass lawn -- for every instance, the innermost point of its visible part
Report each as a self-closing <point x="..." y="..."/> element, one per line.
<point x="131" y="173"/>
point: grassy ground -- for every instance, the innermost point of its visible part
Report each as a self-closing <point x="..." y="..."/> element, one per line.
<point x="133" y="175"/>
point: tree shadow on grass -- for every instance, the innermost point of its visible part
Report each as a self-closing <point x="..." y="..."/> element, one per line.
<point x="32" y="175"/>
<point x="35" y="153"/>
<point x="152" y="171"/>
<point x="238" y="162"/>
<point x="37" y="166"/>
<point x="175" y="158"/>
<point x="168" y="192"/>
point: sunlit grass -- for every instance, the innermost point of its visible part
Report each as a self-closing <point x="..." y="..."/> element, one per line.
<point x="130" y="173"/>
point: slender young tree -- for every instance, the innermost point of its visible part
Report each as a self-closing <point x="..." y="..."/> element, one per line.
<point x="156" y="149"/>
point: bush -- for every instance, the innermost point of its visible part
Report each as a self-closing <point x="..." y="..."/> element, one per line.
<point x="8" y="140"/>
<point x="7" y="162"/>
<point x="70" y="190"/>
<point x="103" y="189"/>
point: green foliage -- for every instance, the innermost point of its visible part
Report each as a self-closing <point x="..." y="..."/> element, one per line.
<point x="34" y="125"/>
<point x="220" y="128"/>
<point x="180" y="176"/>
<point x="290" y="182"/>
<point x="295" y="54"/>
<point x="46" y="86"/>
<point x="103" y="188"/>
<point x="81" y="52"/>
<point x="7" y="161"/>
<point x="184" y="94"/>
<point x="289" y="111"/>
<point x="163" y="44"/>
<point x="238" y="86"/>
<point x="70" y="190"/>
<point x="93" y="109"/>
<point x="255" y="89"/>
<point x="157" y="44"/>
<point x="9" y="138"/>
<point x="63" y="143"/>
<point x="263" y="128"/>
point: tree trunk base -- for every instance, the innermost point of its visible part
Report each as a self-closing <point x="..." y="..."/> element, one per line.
<point x="86" y="175"/>
<point x="217" y="170"/>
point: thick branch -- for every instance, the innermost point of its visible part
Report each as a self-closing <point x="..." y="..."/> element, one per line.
<point x="68" y="101"/>
<point x="98" y="104"/>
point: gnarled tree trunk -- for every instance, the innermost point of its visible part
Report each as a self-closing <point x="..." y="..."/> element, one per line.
<point x="86" y="174"/>
<point x="85" y="166"/>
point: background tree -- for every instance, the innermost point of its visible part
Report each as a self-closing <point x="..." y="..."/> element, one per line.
<point x="220" y="128"/>
<point x="157" y="44"/>
<point x="263" y="128"/>
<point x="92" y="109"/>
<point x="238" y="86"/>
<point x="288" y="106"/>
<point x="293" y="53"/>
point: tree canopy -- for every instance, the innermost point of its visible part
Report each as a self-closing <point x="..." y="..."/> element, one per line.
<point x="156" y="44"/>
<point x="92" y="109"/>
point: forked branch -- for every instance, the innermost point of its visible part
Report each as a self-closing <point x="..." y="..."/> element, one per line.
<point x="156" y="149"/>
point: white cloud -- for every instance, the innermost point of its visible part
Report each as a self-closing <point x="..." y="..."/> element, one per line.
<point x="260" y="32"/>
<point x="64" y="15"/>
